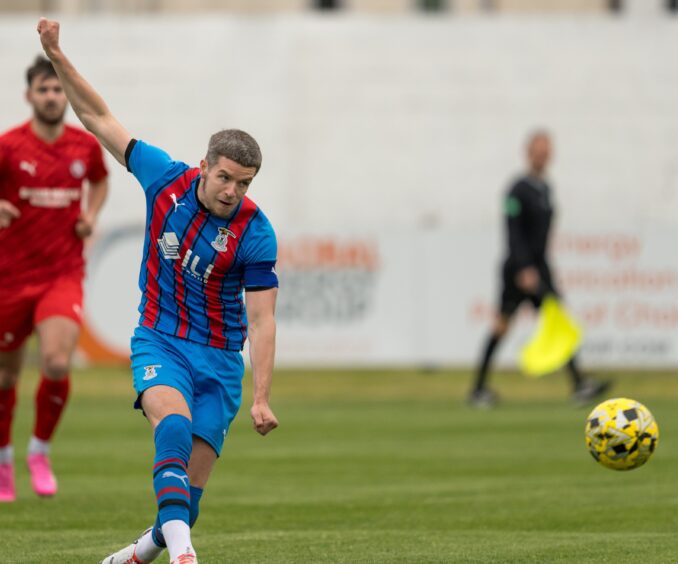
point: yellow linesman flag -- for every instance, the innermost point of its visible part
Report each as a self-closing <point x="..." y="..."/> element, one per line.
<point x="554" y="342"/>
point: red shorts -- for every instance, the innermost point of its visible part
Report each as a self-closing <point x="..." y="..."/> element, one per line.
<point x="21" y="309"/>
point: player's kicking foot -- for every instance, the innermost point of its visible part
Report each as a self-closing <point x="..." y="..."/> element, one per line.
<point x="42" y="478"/>
<point x="141" y="551"/>
<point x="589" y="390"/>
<point x="186" y="558"/>
<point x="7" y="487"/>
<point x="124" y="556"/>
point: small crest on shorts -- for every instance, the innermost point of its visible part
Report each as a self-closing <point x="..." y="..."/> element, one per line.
<point x="150" y="371"/>
<point x="220" y="243"/>
<point x="78" y="168"/>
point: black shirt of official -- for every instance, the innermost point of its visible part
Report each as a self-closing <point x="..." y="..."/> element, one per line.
<point x="528" y="211"/>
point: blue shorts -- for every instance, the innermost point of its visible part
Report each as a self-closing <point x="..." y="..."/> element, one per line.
<point x="210" y="379"/>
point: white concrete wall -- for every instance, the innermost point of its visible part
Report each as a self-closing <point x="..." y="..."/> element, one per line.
<point x="393" y="125"/>
<point x="365" y="121"/>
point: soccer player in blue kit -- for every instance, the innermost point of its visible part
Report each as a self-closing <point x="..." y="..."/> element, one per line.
<point x="205" y="242"/>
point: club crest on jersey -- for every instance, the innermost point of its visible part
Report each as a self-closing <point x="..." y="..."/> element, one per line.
<point x="220" y="243"/>
<point x="78" y="168"/>
<point x="150" y="371"/>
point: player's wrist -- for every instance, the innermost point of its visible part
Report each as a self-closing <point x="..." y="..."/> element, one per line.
<point x="54" y="54"/>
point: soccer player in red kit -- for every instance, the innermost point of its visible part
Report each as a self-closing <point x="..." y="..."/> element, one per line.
<point x="45" y="214"/>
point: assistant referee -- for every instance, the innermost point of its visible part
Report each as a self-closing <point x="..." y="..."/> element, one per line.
<point x="526" y="275"/>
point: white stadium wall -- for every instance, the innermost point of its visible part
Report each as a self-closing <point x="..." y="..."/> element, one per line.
<point x="387" y="144"/>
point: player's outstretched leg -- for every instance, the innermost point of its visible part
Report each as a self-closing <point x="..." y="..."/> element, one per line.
<point x="173" y="444"/>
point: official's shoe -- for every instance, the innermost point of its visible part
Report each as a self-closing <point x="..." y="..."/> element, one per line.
<point x="589" y="390"/>
<point x="42" y="478"/>
<point x="484" y="398"/>
<point x="7" y="487"/>
<point x="127" y="555"/>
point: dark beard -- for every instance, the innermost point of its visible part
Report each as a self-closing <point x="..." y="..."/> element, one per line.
<point x="46" y="120"/>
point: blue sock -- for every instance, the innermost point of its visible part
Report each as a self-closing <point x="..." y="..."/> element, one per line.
<point x="196" y="494"/>
<point x="173" y="444"/>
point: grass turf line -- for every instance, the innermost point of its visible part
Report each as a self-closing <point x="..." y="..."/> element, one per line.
<point x="367" y="466"/>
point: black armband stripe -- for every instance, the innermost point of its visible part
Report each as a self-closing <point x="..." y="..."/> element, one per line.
<point x="258" y="288"/>
<point x="128" y="152"/>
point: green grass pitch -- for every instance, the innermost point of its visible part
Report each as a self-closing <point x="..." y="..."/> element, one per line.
<point x="367" y="466"/>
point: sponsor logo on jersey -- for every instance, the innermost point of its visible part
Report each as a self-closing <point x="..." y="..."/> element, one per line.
<point x="49" y="197"/>
<point x="78" y="168"/>
<point x="169" y="245"/>
<point x="151" y="372"/>
<point x="31" y="168"/>
<point x="220" y="243"/>
<point x="191" y="266"/>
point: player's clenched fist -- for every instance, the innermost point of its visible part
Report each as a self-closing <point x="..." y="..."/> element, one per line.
<point x="263" y="418"/>
<point x="84" y="227"/>
<point x="49" y="35"/>
<point x="7" y="213"/>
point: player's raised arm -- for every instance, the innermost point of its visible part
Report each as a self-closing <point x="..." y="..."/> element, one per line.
<point x="88" y="105"/>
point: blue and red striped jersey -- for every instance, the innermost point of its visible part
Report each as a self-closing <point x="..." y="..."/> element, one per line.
<point x="195" y="265"/>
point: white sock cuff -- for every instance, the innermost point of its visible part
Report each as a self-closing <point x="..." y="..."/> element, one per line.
<point x="7" y="454"/>
<point x="38" y="446"/>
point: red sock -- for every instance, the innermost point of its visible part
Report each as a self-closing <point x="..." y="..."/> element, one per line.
<point x="50" y="401"/>
<point x="7" y="401"/>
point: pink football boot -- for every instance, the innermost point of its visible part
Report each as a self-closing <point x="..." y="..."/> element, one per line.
<point x="42" y="478"/>
<point x="7" y="488"/>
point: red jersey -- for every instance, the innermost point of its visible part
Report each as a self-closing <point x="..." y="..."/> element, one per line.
<point x="45" y="182"/>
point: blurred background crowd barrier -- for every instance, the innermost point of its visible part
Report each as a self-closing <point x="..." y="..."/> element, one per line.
<point x="390" y="131"/>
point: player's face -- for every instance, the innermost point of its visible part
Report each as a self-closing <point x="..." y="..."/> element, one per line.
<point x="539" y="153"/>
<point x="48" y="99"/>
<point x="224" y="185"/>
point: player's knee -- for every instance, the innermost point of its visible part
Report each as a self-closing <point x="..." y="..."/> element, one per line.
<point x="56" y="365"/>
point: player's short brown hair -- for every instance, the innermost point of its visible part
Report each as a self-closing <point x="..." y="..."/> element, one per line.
<point x="42" y="66"/>
<point x="235" y="145"/>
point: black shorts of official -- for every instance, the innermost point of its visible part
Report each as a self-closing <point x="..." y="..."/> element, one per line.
<point x="512" y="296"/>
